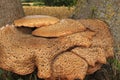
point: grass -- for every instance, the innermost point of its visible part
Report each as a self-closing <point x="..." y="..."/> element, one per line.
<point x="6" y="75"/>
<point x="59" y="12"/>
<point x="32" y="4"/>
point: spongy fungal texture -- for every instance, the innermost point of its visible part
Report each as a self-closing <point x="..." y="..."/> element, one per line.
<point x="62" y="66"/>
<point x="103" y="38"/>
<point x="71" y="56"/>
<point x="62" y="28"/>
<point x="20" y="52"/>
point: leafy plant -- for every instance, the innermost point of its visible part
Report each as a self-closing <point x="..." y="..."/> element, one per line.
<point x="60" y="2"/>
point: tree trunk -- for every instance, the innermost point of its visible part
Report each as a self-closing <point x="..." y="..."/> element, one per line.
<point x="108" y="11"/>
<point x="9" y="11"/>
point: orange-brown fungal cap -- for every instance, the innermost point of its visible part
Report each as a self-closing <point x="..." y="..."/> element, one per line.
<point x="72" y="56"/>
<point x="70" y="65"/>
<point x="36" y="21"/>
<point x="62" y="28"/>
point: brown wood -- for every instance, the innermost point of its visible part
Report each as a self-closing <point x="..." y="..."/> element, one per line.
<point x="9" y="11"/>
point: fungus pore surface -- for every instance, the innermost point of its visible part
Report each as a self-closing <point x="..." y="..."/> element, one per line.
<point x="72" y="56"/>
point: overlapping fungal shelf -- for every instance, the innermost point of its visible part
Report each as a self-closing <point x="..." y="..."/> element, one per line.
<point x="72" y="55"/>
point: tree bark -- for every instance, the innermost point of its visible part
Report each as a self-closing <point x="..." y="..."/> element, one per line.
<point x="108" y="11"/>
<point x="9" y="11"/>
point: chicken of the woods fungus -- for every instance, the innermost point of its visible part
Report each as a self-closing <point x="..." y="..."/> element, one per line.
<point x="67" y="48"/>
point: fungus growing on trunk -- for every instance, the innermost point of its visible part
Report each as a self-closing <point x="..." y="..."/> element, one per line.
<point x="36" y="21"/>
<point x="73" y="55"/>
<point x="62" y="28"/>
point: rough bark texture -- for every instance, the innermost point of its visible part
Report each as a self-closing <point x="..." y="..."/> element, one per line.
<point x="9" y="11"/>
<point x="106" y="10"/>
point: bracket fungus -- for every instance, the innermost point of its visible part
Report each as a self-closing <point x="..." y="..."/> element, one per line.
<point x="80" y="51"/>
<point x="36" y="21"/>
<point x="62" y="28"/>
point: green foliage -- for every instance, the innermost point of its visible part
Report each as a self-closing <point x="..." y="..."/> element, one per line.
<point x="116" y="63"/>
<point x="53" y="2"/>
<point x="27" y="0"/>
<point x="5" y="75"/>
<point x="25" y="4"/>
<point x="60" y="2"/>
<point x="32" y="0"/>
<point x="38" y="4"/>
